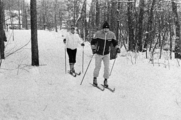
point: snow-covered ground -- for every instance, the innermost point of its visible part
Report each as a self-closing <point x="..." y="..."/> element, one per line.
<point x="143" y="91"/>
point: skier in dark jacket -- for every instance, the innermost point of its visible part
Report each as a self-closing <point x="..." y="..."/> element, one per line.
<point x="101" y="44"/>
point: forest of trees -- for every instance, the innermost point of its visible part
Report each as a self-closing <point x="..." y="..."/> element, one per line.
<point x="140" y="25"/>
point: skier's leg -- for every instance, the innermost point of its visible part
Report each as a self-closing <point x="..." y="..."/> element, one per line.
<point x="106" y="68"/>
<point x="98" y="60"/>
<point x="74" y="58"/>
<point x="69" y="51"/>
<point x="69" y="54"/>
<point x="95" y="81"/>
<point x="71" y="67"/>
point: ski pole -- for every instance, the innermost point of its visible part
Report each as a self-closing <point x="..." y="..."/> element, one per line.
<point x="83" y="54"/>
<point x="83" y="60"/>
<point x="112" y="66"/>
<point x="65" y="62"/>
<point x="87" y="69"/>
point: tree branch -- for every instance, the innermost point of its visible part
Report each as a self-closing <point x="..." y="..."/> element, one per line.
<point x="18" y="49"/>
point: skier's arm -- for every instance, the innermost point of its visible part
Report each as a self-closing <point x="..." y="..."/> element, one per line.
<point x="93" y="45"/>
<point x="66" y="39"/>
<point x="80" y="41"/>
<point x="114" y="41"/>
<point x="115" y="44"/>
<point x="94" y="41"/>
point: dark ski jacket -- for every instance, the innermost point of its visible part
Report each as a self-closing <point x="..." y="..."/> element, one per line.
<point x="103" y="42"/>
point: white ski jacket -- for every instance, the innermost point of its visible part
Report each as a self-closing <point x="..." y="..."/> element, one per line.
<point x="72" y="40"/>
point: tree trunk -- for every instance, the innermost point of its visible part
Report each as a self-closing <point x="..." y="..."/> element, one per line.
<point x="55" y="16"/>
<point x="177" y="24"/>
<point x="3" y="13"/>
<point x="97" y="14"/>
<point x="130" y="26"/>
<point x="1" y="32"/>
<point x="60" y="19"/>
<point x="149" y="28"/>
<point x="108" y="11"/>
<point x="25" y="16"/>
<point x="34" y="41"/>
<point x="19" y="14"/>
<point x="140" y="26"/>
<point x="85" y="21"/>
<point x="92" y="16"/>
<point x="74" y="13"/>
<point x="26" y="19"/>
<point x="170" y="40"/>
<point x="44" y="14"/>
<point x="113" y="26"/>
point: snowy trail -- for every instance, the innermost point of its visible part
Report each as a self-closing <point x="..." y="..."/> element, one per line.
<point x="143" y="91"/>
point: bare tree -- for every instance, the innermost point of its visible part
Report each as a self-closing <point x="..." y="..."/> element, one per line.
<point x="131" y="26"/>
<point x="55" y="16"/>
<point x="113" y="26"/>
<point x="149" y="28"/>
<point x="19" y="14"/>
<point x="25" y="10"/>
<point x="140" y="26"/>
<point x="97" y="14"/>
<point x="60" y="18"/>
<point x="34" y="41"/>
<point x="178" y="37"/>
<point x="1" y="32"/>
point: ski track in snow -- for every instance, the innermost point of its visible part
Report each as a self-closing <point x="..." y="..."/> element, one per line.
<point x="143" y="91"/>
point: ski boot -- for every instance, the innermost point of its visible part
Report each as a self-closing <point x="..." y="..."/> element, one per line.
<point x="72" y="73"/>
<point x="95" y="81"/>
<point x="105" y="83"/>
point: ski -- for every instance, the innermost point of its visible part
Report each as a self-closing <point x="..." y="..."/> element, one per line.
<point x="111" y="89"/>
<point x="98" y="87"/>
<point x="77" y="73"/>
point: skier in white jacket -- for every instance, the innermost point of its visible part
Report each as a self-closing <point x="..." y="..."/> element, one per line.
<point x="72" y="40"/>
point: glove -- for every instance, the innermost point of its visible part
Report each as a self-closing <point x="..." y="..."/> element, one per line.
<point x="64" y="40"/>
<point x="118" y="50"/>
<point x="94" y="51"/>
<point x="82" y="44"/>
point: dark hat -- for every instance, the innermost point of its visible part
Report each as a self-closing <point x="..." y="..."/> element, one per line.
<point x="105" y="25"/>
<point x="72" y="27"/>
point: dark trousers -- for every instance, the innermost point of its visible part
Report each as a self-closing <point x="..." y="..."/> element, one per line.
<point x="72" y="55"/>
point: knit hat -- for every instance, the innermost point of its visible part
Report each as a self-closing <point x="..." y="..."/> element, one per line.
<point x="72" y="27"/>
<point x="105" y="25"/>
